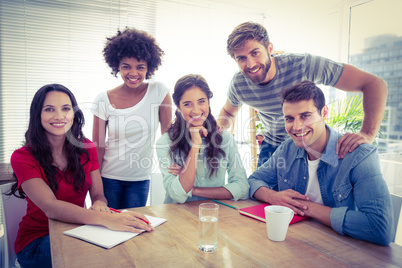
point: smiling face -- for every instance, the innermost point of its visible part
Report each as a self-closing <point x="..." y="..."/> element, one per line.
<point x="194" y="106"/>
<point x="132" y="71"/>
<point x="255" y="61"/>
<point x="57" y="113"/>
<point x="306" y="126"/>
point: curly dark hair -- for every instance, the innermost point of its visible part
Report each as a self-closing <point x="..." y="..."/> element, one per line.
<point x="38" y="145"/>
<point x="180" y="134"/>
<point x="133" y="43"/>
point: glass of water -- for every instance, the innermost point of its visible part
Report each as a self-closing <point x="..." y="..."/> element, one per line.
<point x="208" y="227"/>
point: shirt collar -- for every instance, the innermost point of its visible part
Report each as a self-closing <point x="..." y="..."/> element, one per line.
<point x="328" y="156"/>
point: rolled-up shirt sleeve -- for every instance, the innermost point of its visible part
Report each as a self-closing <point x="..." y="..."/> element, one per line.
<point x="265" y="175"/>
<point x="237" y="178"/>
<point x="372" y="218"/>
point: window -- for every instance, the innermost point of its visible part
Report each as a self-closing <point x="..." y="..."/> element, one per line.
<point x="382" y="35"/>
<point x="61" y="41"/>
<point x="46" y="42"/>
<point x="378" y="37"/>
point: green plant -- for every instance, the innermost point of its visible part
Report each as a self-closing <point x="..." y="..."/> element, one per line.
<point x="346" y="115"/>
<point x="259" y="128"/>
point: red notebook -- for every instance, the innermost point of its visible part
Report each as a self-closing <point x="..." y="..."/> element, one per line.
<point x="257" y="212"/>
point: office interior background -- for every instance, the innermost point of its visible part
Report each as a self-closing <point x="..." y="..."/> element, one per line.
<point x="61" y="41"/>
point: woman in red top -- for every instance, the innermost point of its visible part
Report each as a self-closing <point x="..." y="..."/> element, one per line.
<point x="55" y="169"/>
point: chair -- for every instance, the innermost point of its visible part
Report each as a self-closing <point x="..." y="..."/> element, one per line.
<point x="157" y="193"/>
<point x="397" y="207"/>
<point x="398" y="232"/>
<point x="12" y="211"/>
<point x="253" y="139"/>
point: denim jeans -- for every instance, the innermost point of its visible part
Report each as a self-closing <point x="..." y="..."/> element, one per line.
<point x="125" y="194"/>
<point x="36" y="254"/>
<point x="266" y="152"/>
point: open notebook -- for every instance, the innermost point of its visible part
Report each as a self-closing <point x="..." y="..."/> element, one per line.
<point x="104" y="237"/>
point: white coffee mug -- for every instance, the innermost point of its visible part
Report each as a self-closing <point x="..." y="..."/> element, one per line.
<point x="278" y="219"/>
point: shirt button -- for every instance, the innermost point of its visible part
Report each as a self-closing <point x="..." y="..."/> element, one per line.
<point x="304" y="178"/>
<point x="340" y="195"/>
<point x="285" y="180"/>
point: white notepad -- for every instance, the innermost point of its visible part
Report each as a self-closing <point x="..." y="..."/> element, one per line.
<point x="104" y="237"/>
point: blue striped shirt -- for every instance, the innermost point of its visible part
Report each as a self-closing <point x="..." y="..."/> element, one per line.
<point x="290" y="70"/>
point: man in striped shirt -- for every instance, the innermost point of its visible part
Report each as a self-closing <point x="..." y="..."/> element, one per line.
<point x="263" y="77"/>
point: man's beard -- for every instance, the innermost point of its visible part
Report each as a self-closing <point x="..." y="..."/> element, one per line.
<point x="265" y="68"/>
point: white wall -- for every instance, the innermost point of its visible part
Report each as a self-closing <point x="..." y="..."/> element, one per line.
<point x="311" y="26"/>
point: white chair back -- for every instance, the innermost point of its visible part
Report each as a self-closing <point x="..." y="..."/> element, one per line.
<point x="12" y="211"/>
<point x="397" y="206"/>
<point x="398" y="235"/>
<point x="157" y="191"/>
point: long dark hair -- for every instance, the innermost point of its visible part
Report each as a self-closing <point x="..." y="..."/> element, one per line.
<point x="38" y="145"/>
<point x="180" y="134"/>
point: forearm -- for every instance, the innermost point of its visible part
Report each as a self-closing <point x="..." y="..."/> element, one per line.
<point x="165" y="116"/>
<point x="237" y="177"/>
<point x="99" y="138"/>
<point x="68" y="212"/>
<point x="225" y="119"/>
<point x="101" y="152"/>
<point x="374" y="91"/>
<point x="187" y="175"/>
<point x="212" y="192"/>
<point x="263" y="194"/>
<point x="317" y="211"/>
<point x="99" y="198"/>
<point x="374" y="101"/>
<point x="370" y="217"/>
<point x="374" y="227"/>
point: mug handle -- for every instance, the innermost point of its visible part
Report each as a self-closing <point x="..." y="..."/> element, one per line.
<point x="291" y="216"/>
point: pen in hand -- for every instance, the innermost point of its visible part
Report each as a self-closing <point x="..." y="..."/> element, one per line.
<point x="118" y="211"/>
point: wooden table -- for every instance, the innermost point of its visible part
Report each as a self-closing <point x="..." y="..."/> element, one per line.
<point x="242" y="242"/>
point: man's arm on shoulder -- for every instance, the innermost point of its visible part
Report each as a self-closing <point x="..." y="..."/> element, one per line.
<point x="375" y="94"/>
<point x="227" y="115"/>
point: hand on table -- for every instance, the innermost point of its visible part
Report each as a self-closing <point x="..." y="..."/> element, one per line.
<point x="291" y="199"/>
<point x="100" y="206"/>
<point x="128" y="221"/>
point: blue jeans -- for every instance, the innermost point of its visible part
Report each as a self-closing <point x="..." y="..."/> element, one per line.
<point x="266" y="152"/>
<point x="125" y="194"/>
<point x="36" y="254"/>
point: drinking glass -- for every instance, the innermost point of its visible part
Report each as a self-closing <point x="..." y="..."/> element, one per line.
<point x="208" y="227"/>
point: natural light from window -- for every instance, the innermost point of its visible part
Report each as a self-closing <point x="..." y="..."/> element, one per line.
<point x="376" y="47"/>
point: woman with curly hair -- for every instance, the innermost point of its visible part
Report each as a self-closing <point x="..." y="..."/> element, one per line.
<point x="55" y="169"/>
<point x="193" y="156"/>
<point x="130" y="114"/>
